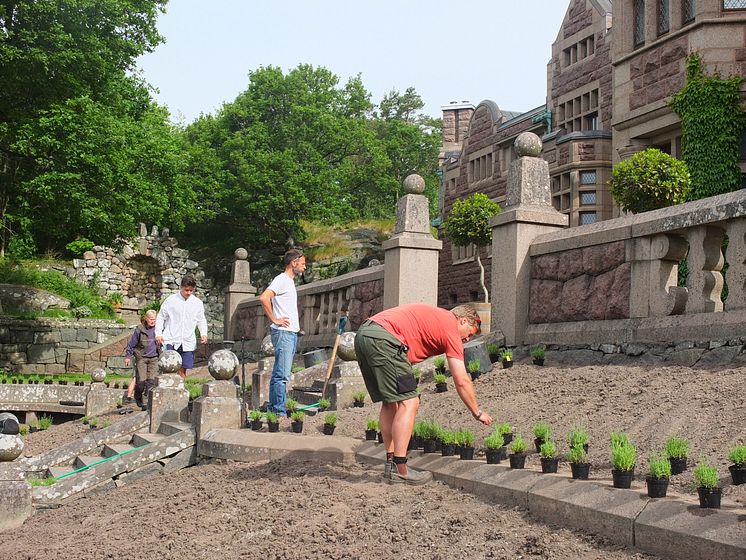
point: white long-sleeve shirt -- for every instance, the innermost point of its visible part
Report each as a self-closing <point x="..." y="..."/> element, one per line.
<point x="177" y="319"/>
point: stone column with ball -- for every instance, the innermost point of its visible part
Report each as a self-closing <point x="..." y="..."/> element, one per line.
<point x="169" y="400"/>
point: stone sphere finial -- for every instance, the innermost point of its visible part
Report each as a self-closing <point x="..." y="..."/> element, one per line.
<point x="169" y="362"/>
<point x="528" y="144"/>
<point x="11" y="447"/>
<point x="98" y="375"/>
<point x="241" y="254"/>
<point x="222" y="364"/>
<point x="414" y="184"/>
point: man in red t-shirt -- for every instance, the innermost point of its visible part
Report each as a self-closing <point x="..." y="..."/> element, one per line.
<point x="386" y="345"/>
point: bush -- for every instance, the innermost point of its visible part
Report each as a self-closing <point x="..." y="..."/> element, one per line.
<point x="494" y="441"/>
<point x="548" y="450"/>
<point x="706" y="475"/>
<point x="79" y="246"/>
<point x="676" y="448"/>
<point x="331" y="419"/>
<point x="297" y="416"/>
<point x="372" y="424"/>
<point x="518" y="445"/>
<point x="660" y="466"/>
<point x="542" y="430"/>
<point x="439" y="378"/>
<point x="623" y="453"/>
<point x="737" y="455"/>
<point x="577" y="454"/>
<point x="650" y="180"/>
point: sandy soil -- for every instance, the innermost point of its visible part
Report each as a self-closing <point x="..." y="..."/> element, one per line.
<point x="291" y="508"/>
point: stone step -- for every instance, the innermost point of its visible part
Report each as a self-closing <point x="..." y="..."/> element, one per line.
<point x="59" y="471"/>
<point x="305" y="397"/>
<point x="170" y="428"/>
<point x="144" y="438"/>
<point x="112" y="449"/>
<point x="86" y="460"/>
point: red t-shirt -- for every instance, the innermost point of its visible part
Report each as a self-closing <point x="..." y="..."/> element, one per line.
<point x="426" y="330"/>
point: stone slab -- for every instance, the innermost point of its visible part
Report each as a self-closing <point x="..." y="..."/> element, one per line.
<point x="15" y="504"/>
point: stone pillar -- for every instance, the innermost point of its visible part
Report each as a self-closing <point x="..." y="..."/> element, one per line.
<point x="240" y="289"/>
<point x="99" y="399"/>
<point x="260" y="382"/>
<point x="411" y="272"/>
<point x="169" y="400"/>
<point x="528" y="213"/>
<point x="15" y="506"/>
<point x="220" y="405"/>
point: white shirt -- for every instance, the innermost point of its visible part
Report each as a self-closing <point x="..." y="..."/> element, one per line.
<point x="285" y="302"/>
<point x="177" y="319"/>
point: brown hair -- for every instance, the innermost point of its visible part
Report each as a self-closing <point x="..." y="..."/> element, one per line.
<point x="291" y="255"/>
<point x="469" y="313"/>
<point x="188" y="281"/>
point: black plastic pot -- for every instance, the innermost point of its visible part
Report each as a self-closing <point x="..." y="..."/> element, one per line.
<point x="507" y="438"/>
<point x="430" y="446"/>
<point x="657" y="487"/>
<point x="507" y="364"/>
<point x="494" y="358"/>
<point x="580" y="471"/>
<point x="412" y="444"/>
<point x="441" y="387"/>
<point x="273" y="426"/>
<point x="622" y="479"/>
<point x="494" y="456"/>
<point x="358" y="404"/>
<point x="371" y="435"/>
<point x="678" y="465"/>
<point x="256" y="425"/>
<point x="380" y="437"/>
<point x="297" y="427"/>
<point x="709" y="497"/>
<point x="448" y="449"/>
<point x="517" y="460"/>
<point x="48" y="382"/>
<point x="441" y="370"/>
<point x="538" y="361"/>
<point x="738" y="474"/>
<point x="549" y="465"/>
<point x="328" y="429"/>
<point x="475" y="375"/>
<point x="466" y="453"/>
<point x="537" y="443"/>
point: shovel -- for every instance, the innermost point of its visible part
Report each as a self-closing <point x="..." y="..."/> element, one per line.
<point x="340" y="329"/>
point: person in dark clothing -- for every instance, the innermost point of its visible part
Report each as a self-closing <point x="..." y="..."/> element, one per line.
<point x="142" y="345"/>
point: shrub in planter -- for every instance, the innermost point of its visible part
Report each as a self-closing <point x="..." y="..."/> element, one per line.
<point x="324" y="404"/>
<point x="291" y="405"/>
<point x="417" y="434"/>
<point x="430" y="433"/>
<point x="466" y="442"/>
<point x="737" y="456"/>
<point x="494" y="448"/>
<point x="537" y="354"/>
<point x="273" y="423"/>
<point x="330" y="422"/>
<point x="448" y="441"/>
<point x="506" y="431"/>
<point x="677" y="451"/>
<point x="578" y="436"/>
<point x="296" y="423"/>
<point x="623" y="458"/>
<point x="549" y="459"/>
<point x="507" y="358"/>
<point x="474" y="367"/>
<point x="707" y="478"/>
<point x="371" y="429"/>
<point x="493" y="350"/>
<point x="659" y="474"/>
<point x="255" y="420"/>
<point x="518" y="456"/>
<point x="440" y="383"/>
<point x="542" y="432"/>
<point x="358" y="399"/>
<point x="439" y="362"/>
<point x="579" y="464"/>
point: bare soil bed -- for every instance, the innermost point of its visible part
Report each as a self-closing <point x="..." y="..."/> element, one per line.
<point x="292" y="508"/>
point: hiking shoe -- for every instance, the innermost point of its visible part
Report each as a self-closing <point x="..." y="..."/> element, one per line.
<point x="415" y="478"/>
<point x="129" y="400"/>
<point x="388" y="468"/>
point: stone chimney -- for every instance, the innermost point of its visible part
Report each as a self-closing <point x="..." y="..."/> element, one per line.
<point x="456" y="117"/>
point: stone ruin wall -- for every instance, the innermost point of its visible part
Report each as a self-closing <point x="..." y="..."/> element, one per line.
<point x="588" y="284"/>
<point x="148" y="269"/>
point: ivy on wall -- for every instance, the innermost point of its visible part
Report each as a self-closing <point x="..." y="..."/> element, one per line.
<point x="712" y="120"/>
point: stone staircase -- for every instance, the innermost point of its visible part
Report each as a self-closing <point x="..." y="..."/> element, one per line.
<point x="119" y="461"/>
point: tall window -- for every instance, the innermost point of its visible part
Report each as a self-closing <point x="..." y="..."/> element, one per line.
<point x="664" y="21"/>
<point x="734" y="4"/>
<point x="639" y="23"/>
<point x="687" y="10"/>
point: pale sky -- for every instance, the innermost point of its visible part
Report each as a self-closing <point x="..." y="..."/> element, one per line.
<point x="467" y="50"/>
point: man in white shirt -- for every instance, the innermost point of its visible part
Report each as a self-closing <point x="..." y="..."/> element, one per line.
<point x="280" y="304"/>
<point x="180" y="314"/>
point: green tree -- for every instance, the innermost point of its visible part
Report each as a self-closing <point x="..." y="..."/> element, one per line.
<point x="648" y="180"/>
<point x="468" y="223"/>
<point x="81" y="142"/>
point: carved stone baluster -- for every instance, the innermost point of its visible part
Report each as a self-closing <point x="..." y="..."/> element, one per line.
<point x="666" y="298"/>
<point x="736" y="265"/>
<point x="705" y="283"/>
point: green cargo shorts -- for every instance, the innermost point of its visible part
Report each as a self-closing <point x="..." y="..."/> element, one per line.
<point x="386" y="370"/>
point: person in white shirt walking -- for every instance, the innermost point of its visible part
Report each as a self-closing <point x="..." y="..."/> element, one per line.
<point x="180" y="314"/>
<point x="280" y="304"/>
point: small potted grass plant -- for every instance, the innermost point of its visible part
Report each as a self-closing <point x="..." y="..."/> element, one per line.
<point x="506" y="431"/>
<point x="494" y="448"/>
<point x="440" y="383"/>
<point x="330" y="422"/>
<point x="506" y="355"/>
<point x="371" y="429"/>
<point x="737" y="456"/>
<point x="448" y="441"/>
<point x="431" y="436"/>
<point x="324" y="404"/>
<point x="358" y="399"/>
<point x="542" y="432"/>
<point x="659" y="474"/>
<point x="474" y="367"/>
<point x="439" y="362"/>
<point x="494" y="352"/>
<point x="623" y="458"/>
<point x="549" y="458"/>
<point x="273" y="422"/>
<point x="291" y="405"/>
<point x="255" y="420"/>
<point x="466" y="441"/>
<point x="537" y="355"/>
<point x="677" y="451"/>
<point x="519" y="450"/>
<point x="578" y="436"/>
<point x="416" y="442"/>
<point x="579" y="464"/>
<point x="707" y="478"/>
<point x="296" y="423"/>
